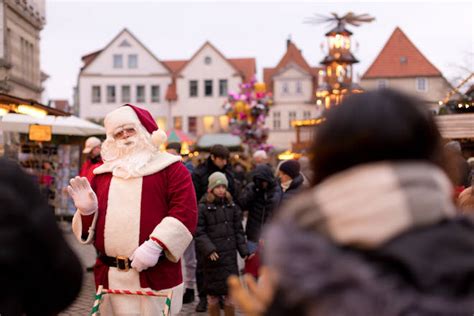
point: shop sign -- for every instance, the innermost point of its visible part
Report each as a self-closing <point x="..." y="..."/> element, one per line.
<point x="40" y="133"/>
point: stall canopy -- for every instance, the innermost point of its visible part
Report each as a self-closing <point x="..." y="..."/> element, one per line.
<point x="456" y="126"/>
<point x="228" y="140"/>
<point x="175" y="135"/>
<point x="61" y="125"/>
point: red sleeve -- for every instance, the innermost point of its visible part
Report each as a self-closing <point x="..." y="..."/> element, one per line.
<point x="181" y="196"/>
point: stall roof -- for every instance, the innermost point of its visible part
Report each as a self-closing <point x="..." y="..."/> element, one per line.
<point x="227" y="140"/>
<point x="11" y="99"/>
<point x="61" y="125"/>
<point x="455" y="126"/>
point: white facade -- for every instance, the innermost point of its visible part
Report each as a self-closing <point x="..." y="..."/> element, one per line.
<point x="292" y="93"/>
<point x="196" y="113"/>
<point x="124" y="72"/>
<point x="205" y="109"/>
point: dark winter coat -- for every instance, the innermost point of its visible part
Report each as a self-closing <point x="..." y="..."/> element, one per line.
<point x="425" y="272"/>
<point x="202" y="173"/>
<point x="259" y="202"/>
<point x="296" y="187"/>
<point x="219" y="230"/>
<point x="39" y="273"/>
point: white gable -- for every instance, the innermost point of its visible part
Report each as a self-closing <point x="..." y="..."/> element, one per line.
<point x="125" y="45"/>
<point x="292" y="71"/>
<point x="216" y="66"/>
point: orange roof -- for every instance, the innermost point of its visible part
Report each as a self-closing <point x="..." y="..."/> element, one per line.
<point x="246" y="66"/>
<point x="87" y="59"/>
<point x="400" y="58"/>
<point x="292" y="55"/>
<point x="174" y="65"/>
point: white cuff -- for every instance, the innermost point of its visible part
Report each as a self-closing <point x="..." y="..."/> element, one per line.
<point x="77" y="228"/>
<point x="174" y="236"/>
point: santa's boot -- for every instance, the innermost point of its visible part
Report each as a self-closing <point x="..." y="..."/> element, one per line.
<point x="229" y="310"/>
<point x="214" y="309"/>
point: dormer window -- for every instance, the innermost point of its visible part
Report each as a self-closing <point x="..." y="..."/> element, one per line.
<point x="285" y="88"/>
<point x="118" y="61"/>
<point x="403" y="60"/>
<point x="207" y="60"/>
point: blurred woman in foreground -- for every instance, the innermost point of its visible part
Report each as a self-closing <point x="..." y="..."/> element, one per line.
<point x="378" y="233"/>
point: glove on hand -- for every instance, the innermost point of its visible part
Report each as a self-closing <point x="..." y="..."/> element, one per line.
<point x="84" y="198"/>
<point x="146" y="255"/>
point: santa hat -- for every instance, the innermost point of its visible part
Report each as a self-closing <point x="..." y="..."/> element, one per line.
<point x="131" y="114"/>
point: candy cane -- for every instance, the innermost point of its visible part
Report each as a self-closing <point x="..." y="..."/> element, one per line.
<point x="101" y="291"/>
<point x="98" y="299"/>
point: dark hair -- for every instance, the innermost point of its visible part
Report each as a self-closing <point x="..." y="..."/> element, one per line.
<point x="220" y="151"/>
<point x="175" y="145"/>
<point x="375" y="126"/>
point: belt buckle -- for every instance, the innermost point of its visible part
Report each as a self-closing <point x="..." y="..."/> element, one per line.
<point x="122" y="263"/>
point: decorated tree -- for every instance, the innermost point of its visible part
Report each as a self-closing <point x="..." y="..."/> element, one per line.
<point x="247" y="111"/>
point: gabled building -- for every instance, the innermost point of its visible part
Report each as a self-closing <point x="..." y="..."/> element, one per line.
<point x="401" y="65"/>
<point x="293" y="83"/>
<point x="200" y="86"/>
<point x="124" y="71"/>
<point x="22" y="22"/>
<point x="187" y="95"/>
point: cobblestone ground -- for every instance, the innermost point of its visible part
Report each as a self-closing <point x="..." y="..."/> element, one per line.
<point x="83" y="304"/>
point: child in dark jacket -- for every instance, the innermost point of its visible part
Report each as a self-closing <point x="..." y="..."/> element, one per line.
<point x="219" y="236"/>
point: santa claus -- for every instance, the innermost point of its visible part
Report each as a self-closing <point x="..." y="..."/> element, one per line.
<point x="140" y="212"/>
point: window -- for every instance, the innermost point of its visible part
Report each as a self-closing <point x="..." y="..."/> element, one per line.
<point x="285" y="89"/>
<point x="192" y="125"/>
<point x="208" y="124"/>
<point x="421" y="84"/>
<point x="299" y="88"/>
<point x="140" y="93"/>
<point x="95" y="94"/>
<point x="207" y="60"/>
<point x="126" y="94"/>
<point x="306" y="115"/>
<point x="224" y="123"/>
<point x="223" y="87"/>
<point x="403" y="60"/>
<point x="155" y="93"/>
<point x="276" y="120"/>
<point x="118" y="61"/>
<point x="178" y="123"/>
<point x="208" y="88"/>
<point x="110" y="94"/>
<point x="193" y="88"/>
<point x="291" y="118"/>
<point x="133" y="61"/>
<point x="382" y="83"/>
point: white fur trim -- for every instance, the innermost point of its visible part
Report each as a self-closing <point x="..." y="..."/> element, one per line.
<point x="122" y="221"/>
<point x="77" y="228"/>
<point x="159" y="162"/>
<point x="121" y="116"/>
<point x="158" y="137"/>
<point x="174" y="235"/>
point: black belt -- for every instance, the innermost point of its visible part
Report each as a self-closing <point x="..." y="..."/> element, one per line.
<point x="122" y="263"/>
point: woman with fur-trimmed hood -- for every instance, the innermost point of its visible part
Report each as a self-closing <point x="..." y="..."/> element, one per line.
<point x="219" y="236"/>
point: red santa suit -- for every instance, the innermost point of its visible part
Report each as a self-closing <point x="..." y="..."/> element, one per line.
<point x="156" y="200"/>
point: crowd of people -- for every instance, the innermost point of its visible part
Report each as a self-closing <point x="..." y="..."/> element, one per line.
<point x="376" y="221"/>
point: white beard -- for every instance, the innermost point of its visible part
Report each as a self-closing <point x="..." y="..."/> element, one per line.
<point x="128" y="156"/>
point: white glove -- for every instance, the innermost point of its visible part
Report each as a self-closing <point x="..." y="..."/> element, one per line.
<point x="84" y="198"/>
<point x="146" y="255"/>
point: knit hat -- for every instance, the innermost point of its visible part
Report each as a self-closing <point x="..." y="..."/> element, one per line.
<point x="290" y="168"/>
<point x="217" y="178"/>
<point x="130" y="114"/>
<point x="91" y="143"/>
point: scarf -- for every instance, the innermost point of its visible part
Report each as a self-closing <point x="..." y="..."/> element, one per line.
<point x="368" y="205"/>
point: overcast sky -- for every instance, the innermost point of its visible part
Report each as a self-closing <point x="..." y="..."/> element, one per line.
<point x="443" y="31"/>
